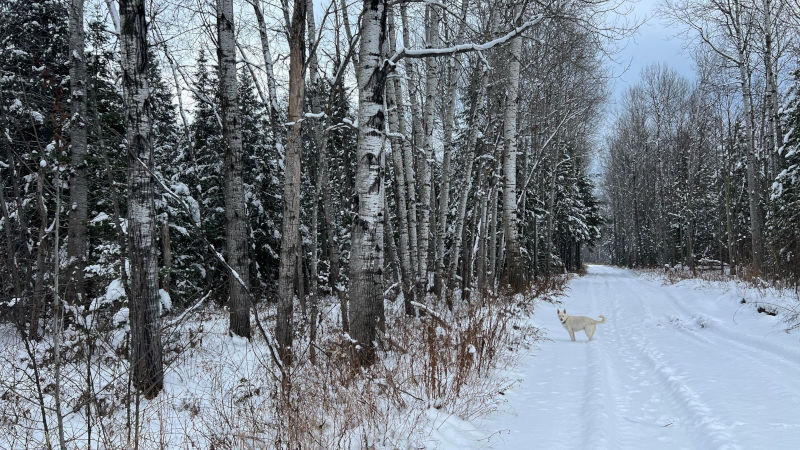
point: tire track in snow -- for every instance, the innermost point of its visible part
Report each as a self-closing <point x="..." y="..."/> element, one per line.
<point x="640" y="368"/>
<point x="595" y="403"/>
<point x="699" y="415"/>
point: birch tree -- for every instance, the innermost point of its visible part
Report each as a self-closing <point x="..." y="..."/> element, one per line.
<point x="514" y="257"/>
<point x="367" y="251"/>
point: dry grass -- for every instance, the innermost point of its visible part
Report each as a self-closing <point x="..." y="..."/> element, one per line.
<point x="224" y="392"/>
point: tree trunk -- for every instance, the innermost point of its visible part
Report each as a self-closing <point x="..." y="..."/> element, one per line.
<point x="397" y="139"/>
<point x="472" y="140"/>
<point x="322" y="166"/>
<point x="78" y="182"/>
<point x="236" y="236"/>
<point x="771" y="94"/>
<point x="145" y="348"/>
<point x="444" y="191"/>
<point x="753" y="177"/>
<point x="410" y="182"/>
<point x="492" y="238"/>
<point x="413" y="163"/>
<point x="482" y="232"/>
<point x="274" y="118"/>
<point x="425" y="162"/>
<point x="40" y="289"/>
<point x="366" y="259"/>
<point x="514" y="268"/>
<point x="290" y="235"/>
<point x="448" y="119"/>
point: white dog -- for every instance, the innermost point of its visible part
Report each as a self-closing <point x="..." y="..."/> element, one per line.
<point x="577" y="323"/>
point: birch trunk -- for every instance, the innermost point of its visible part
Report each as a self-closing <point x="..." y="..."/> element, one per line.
<point x="236" y="236"/>
<point x="482" y="232"/>
<point x="78" y="183"/>
<point x="440" y="284"/>
<point x="367" y="255"/>
<point x="145" y="348"/>
<point x="274" y="118"/>
<point x="415" y="195"/>
<point x="39" y="302"/>
<point x="470" y="162"/>
<point x="290" y="235"/>
<point x="444" y="191"/>
<point x="397" y="140"/>
<point x="431" y="81"/>
<point x="407" y="162"/>
<point x="492" y="238"/>
<point x="513" y="258"/>
<point x="410" y="180"/>
<point x="313" y="263"/>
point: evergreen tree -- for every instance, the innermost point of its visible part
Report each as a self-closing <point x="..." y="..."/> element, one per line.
<point x="106" y="162"/>
<point x="34" y="95"/>
<point x="204" y="177"/>
<point x="784" y="215"/>
<point x="262" y="181"/>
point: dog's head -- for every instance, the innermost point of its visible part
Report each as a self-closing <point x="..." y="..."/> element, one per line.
<point x="562" y="315"/>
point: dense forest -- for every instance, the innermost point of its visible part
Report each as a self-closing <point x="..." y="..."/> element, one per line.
<point x="706" y="170"/>
<point x="354" y="185"/>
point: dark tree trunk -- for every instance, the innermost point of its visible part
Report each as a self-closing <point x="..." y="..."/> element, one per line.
<point x="145" y="349"/>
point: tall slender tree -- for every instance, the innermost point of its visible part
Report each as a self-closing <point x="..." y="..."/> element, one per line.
<point x="236" y="235"/>
<point x="367" y="252"/>
<point x="78" y="182"/>
<point x="514" y="267"/>
<point x="290" y="229"/>
<point x="146" y="348"/>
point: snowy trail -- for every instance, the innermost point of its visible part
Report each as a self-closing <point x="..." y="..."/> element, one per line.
<point x="673" y="367"/>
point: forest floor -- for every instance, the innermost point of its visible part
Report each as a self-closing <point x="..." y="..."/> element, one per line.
<point x="686" y="365"/>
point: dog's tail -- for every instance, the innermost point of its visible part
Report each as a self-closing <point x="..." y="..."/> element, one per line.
<point x="601" y="321"/>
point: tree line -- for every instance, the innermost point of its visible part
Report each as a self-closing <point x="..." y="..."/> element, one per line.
<point x="153" y="156"/>
<point x="707" y="169"/>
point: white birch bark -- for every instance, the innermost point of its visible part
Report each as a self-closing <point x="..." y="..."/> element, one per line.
<point x="268" y="67"/>
<point x="771" y="94"/>
<point x="410" y="181"/>
<point x="514" y="258"/>
<point x="417" y="128"/>
<point x="397" y="135"/>
<point x="367" y="251"/>
<point x="431" y="82"/>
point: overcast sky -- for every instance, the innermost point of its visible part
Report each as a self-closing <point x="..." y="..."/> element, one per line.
<point x="656" y="41"/>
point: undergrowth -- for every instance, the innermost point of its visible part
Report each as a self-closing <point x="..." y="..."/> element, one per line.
<point x="227" y="392"/>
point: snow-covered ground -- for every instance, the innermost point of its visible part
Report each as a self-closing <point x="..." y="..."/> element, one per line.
<point x="676" y="366"/>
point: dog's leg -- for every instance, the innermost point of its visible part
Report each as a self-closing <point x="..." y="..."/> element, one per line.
<point x="571" y="335"/>
<point x="590" y="330"/>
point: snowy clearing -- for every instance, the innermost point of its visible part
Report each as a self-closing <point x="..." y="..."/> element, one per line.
<point x="676" y="366"/>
